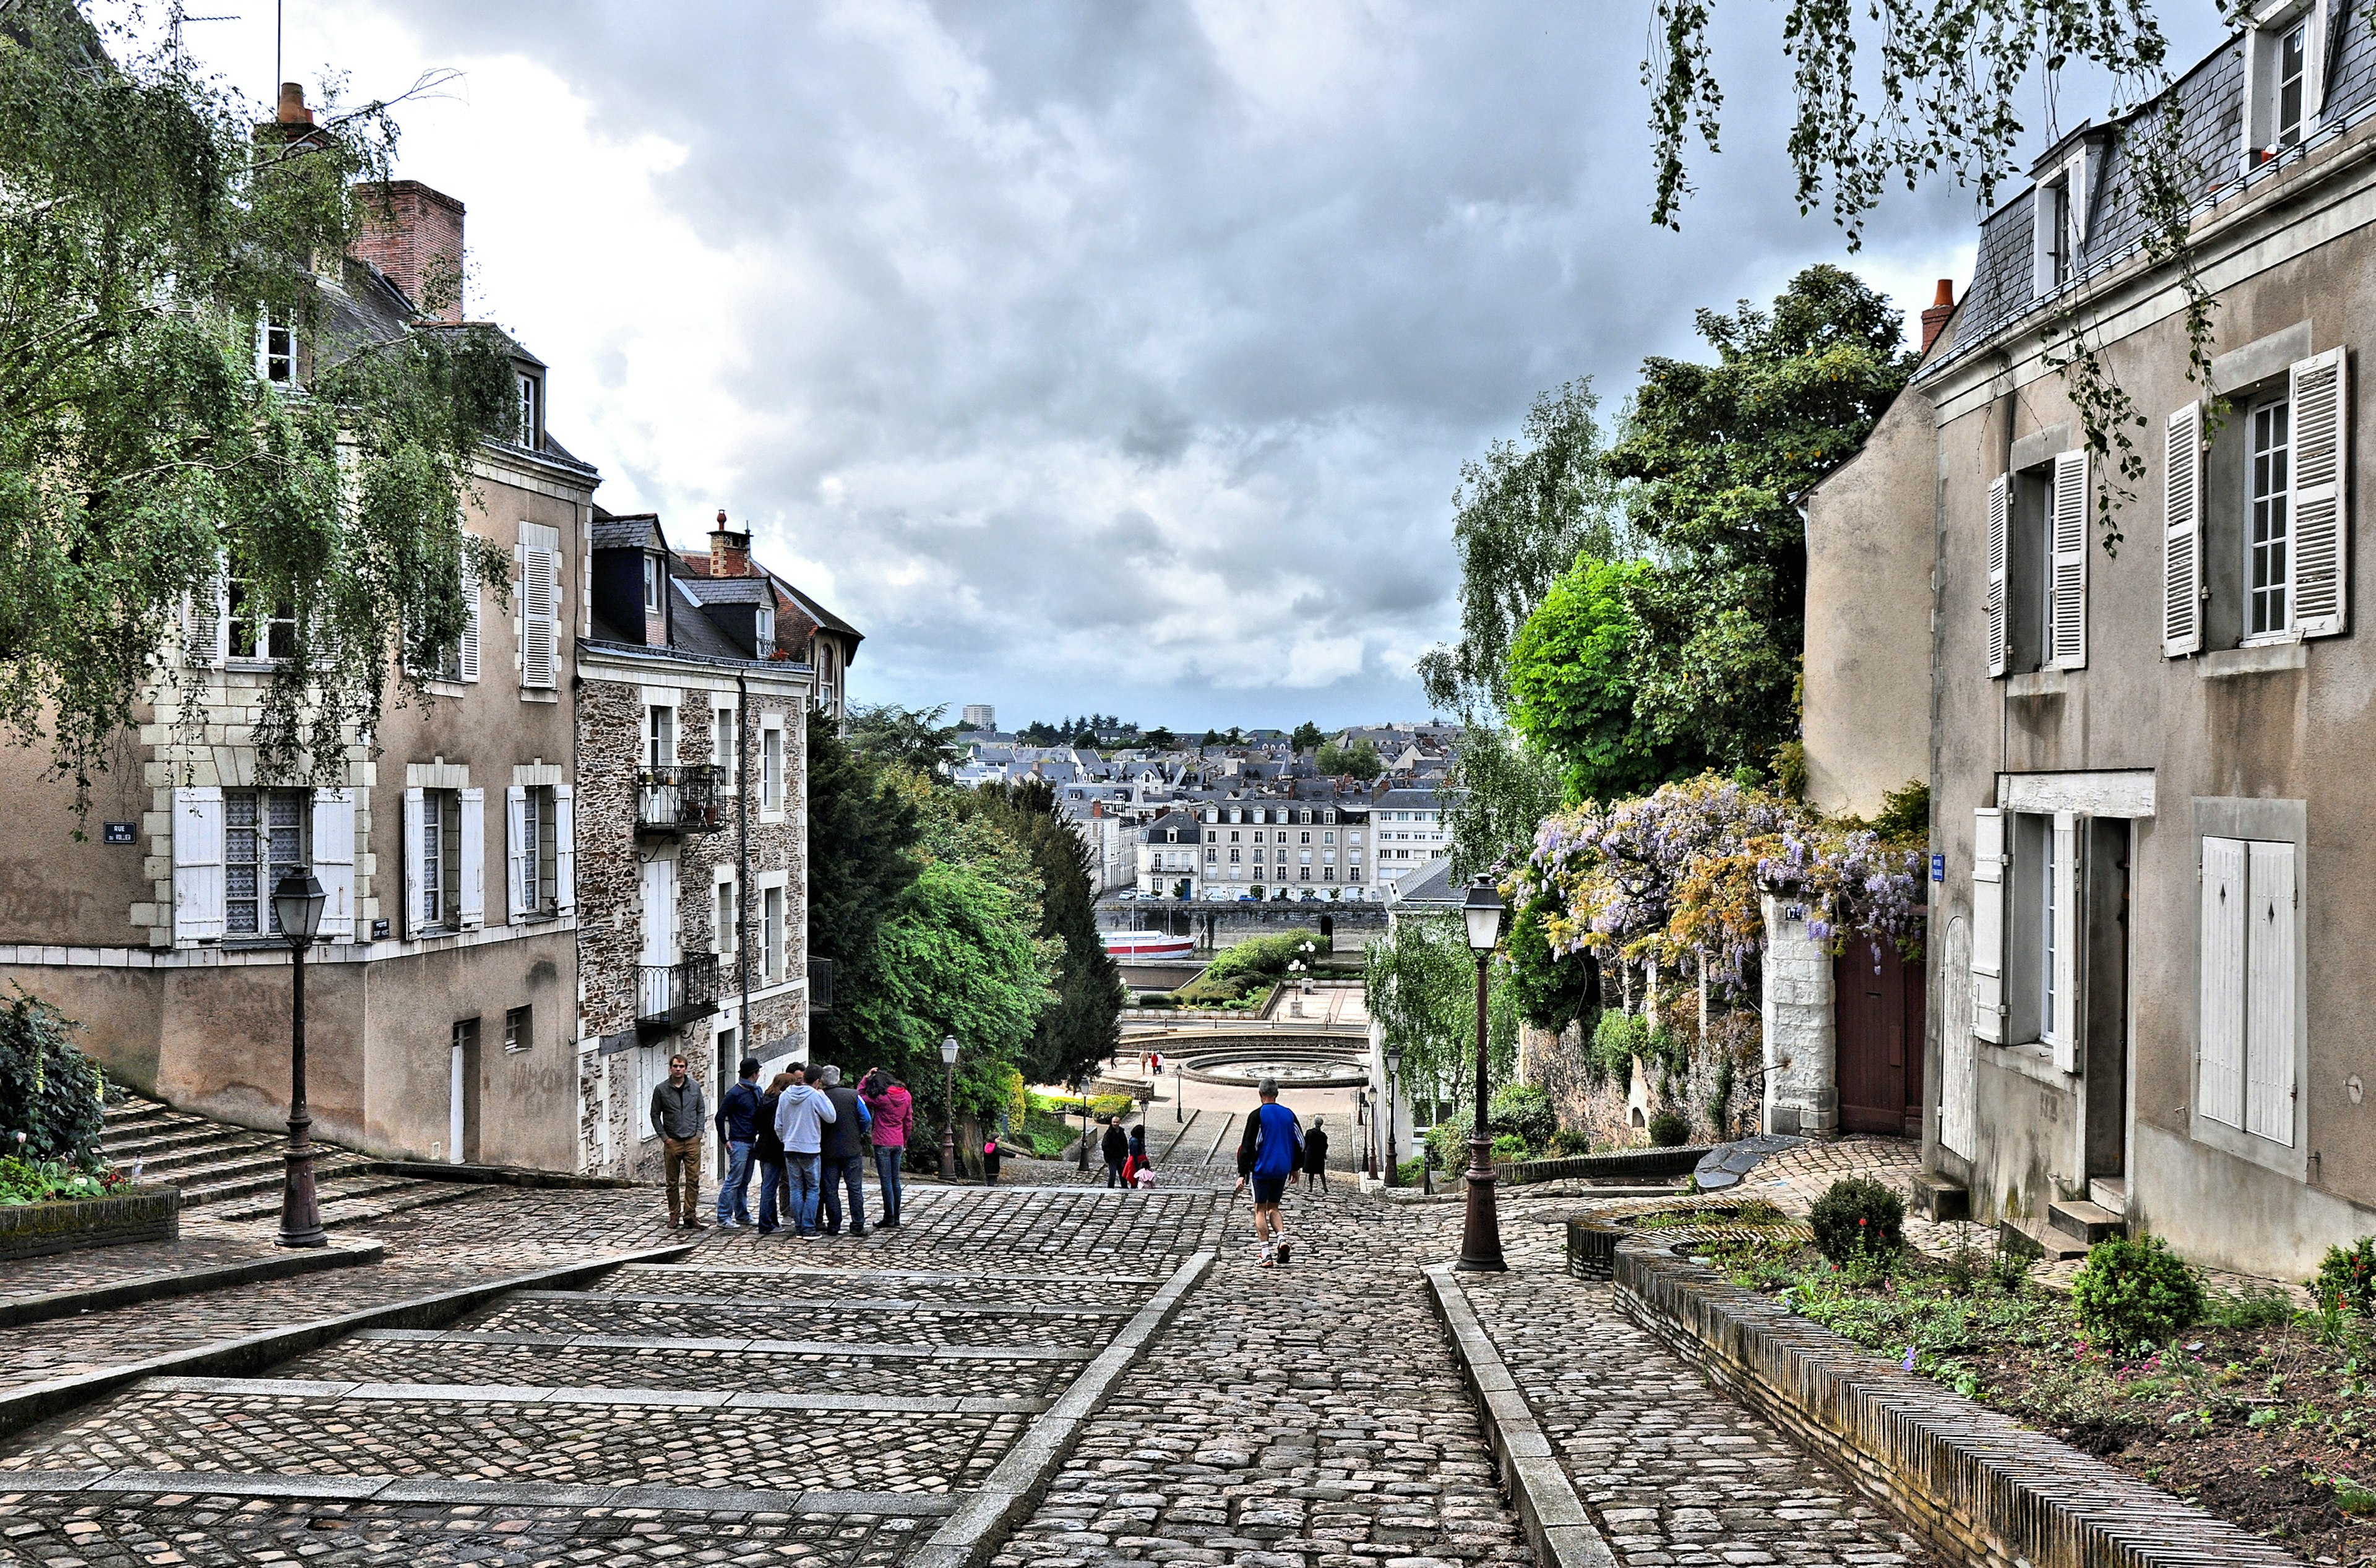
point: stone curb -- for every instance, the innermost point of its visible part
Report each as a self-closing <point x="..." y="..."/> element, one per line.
<point x="251" y="1353"/>
<point x="1021" y="1477"/>
<point x="16" y="1312"/>
<point x="1977" y="1485"/>
<point x="492" y="1175"/>
<point x="1562" y="1534"/>
<point x="1649" y="1162"/>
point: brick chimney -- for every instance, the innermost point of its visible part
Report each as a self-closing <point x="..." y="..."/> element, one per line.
<point x="413" y="234"/>
<point x="1935" y="319"/>
<point x="729" y="551"/>
<point x="292" y="105"/>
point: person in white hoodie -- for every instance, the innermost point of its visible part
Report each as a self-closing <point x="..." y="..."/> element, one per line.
<point x="801" y="1113"/>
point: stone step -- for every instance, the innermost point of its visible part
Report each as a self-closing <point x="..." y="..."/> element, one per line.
<point x="335" y="1183"/>
<point x="421" y="1195"/>
<point x="178" y="1164"/>
<point x="2109" y="1192"/>
<point x="165" y="1140"/>
<point x="1937" y="1198"/>
<point x="2088" y="1223"/>
<point x="2036" y="1238"/>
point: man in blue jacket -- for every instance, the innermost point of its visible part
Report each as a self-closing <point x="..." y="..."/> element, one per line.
<point x="1269" y="1152"/>
<point x="738" y="1128"/>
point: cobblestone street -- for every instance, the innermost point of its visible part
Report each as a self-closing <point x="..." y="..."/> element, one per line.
<point x="865" y="1401"/>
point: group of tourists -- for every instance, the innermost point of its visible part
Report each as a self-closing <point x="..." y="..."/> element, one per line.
<point x="808" y="1136"/>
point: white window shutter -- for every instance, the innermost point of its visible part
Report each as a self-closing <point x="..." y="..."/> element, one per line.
<point x="564" y="850"/>
<point x="416" y="862"/>
<point x="206" y="624"/>
<point x="474" y="858"/>
<point x="2320" y="570"/>
<point x="1988" y="924"/>
<point x="1998" y="501"/>
<point x="2182" y="533"/>
<point x="519" y="864"/>
<point x="2269" y="992"/>
<point x="2221" y="1091"/>
<point x="334" y="859"/>
<point x="198" y="865"/>
<point x="471" y="600"/>
<point x="2069" y="563"/>
<point x="2065" y="871"/>
<point x="536" y="618"/>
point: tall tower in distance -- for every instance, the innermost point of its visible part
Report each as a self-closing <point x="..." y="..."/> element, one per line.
<point x="978" y="716"/>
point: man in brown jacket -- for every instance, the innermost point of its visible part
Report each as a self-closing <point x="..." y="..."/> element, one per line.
<point x="678" y="1113"/>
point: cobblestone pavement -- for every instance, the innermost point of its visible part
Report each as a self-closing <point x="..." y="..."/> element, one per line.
<point x="204" y="1243"/>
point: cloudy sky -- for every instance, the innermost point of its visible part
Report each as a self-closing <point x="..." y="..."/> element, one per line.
<point x="1085" y="355"/>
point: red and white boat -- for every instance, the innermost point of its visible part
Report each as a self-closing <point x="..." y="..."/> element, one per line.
<point x="1128" y="946"/>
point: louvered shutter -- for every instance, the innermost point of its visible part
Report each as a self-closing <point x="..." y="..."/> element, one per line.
<point x="536" y="618"/>
<point x="198" y="865"/>
<point x="2182" y="533"/>
<point x="417" y="891"/>
<point x="1988" y="924"/>
<point x="2065" y="871"/>
<point x="519" y="866"/>
<point x="206" y="624"/>
<point x="334" y="859"/>
<point x="2220" y="1093"/>
<point x="2069" y="567"/>
<point x="1999" y="501"/>
<point x="469" y="659"/>
<point x="2269" y="990"/>
<point x="2321" y="574"/>
<point x="473" y="880"/>
<point x="564" y="850"/>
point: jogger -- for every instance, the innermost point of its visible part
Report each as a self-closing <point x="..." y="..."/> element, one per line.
<point x="1269" y="1153"/>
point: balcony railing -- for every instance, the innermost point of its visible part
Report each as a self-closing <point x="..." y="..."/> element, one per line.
<point x="678" y="799"/>
<point x="669" y="996"/>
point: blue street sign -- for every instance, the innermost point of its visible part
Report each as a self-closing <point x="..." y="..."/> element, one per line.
<point x="1938" y="868"/>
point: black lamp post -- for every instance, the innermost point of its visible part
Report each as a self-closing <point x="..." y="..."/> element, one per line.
<point x="297" y="902"/>
<point x="1394" y="1070"/>
<point x="1084" y="1122"/>
<point x="949" y="1116"/>
<point x="1480" y="1236"/>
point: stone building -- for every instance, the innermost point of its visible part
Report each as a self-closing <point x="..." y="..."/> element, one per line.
<point x="692" y="741"/>
<point x="441" y="1013"/>
<point x="806" y="631"/>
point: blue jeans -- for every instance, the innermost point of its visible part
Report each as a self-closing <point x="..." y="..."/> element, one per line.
<point x="803" y="1170"/>
<point x="771" y="1181"/>
<point x="849" y="1171"/>
<point x="735" y="1193"/>
<point x="887" y="1178"/>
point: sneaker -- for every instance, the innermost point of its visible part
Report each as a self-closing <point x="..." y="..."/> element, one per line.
<point x="856" y="1233"/>
<point x="1283" y="1245"/>
<point x="729" y="1225"/>
<point x="1267" y="1260"/>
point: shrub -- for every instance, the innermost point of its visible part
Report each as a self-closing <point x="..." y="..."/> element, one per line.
<point x="1410" y="1173"/>
<point x="1669" y="1130"/>
<point x="1858" y="1216"/>
<point x="1264" y="957"/>
<point x="1508" y="1147"/>
<point x="2135" y="1293"/>
<point x="1447" y="1142"/>
<point x="1616" y="1040"/>
<point x="1525" y="1113"/>
<point x="2346" y="1276"/>
<point x="1565" y="1144"/>
<point x="1553" y="989"/>
<point x="49" y="1091"/>
<point x="1155" y="998"/>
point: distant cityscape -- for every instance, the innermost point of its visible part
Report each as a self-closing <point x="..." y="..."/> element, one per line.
<point x="1355" y="814"/>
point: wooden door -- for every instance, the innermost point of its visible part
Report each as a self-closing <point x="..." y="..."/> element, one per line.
<point x="1878" y="1015"/>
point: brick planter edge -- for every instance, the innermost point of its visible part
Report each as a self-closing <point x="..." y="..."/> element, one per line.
<point x="143" y="1213"/>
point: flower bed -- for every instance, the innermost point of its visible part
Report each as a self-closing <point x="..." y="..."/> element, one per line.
<point x="125" y="1214"/>
<point x="2263" y="1415"/>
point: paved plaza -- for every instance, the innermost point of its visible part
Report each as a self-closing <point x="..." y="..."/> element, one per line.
<point x="1036" y="1375"/>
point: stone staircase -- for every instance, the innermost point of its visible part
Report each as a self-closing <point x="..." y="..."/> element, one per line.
<point x="2071" y="1225"/>
<point x="234" y="1172"/>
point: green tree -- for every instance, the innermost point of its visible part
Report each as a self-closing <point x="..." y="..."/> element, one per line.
<point x="860" y="838"/>
<point x="1159" y="739"/>
<point x="1307" y="736"/>
<point x="1212" y="738"/>
<point x="909" y="738"/>
<point x="1082" y="1026"/>
<point x="1421" y="982"/>
<point x="1720" y="458"/>
<point x="1573" y="690"/>
<point x="1504" y="786"/>
<point x="144" y="224"/>
<point x="1360" y="760"/>
<point x="1520" y="515"/>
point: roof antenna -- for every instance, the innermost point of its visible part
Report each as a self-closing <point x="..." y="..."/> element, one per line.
<point x="176" y="19"/>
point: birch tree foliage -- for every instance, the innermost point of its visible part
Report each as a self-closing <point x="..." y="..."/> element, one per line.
<point x="145" y="223"/>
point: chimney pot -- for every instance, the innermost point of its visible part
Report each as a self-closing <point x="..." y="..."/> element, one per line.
<point x="1934" y="320"/>
<point x="730" y="550"/>
<point x="292" y="105"/>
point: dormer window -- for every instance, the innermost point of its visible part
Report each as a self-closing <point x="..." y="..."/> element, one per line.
<point x="2285" y="59"/>
<point x="651" y="583"/>
<point x="530" y="388"/>
<point x="765" y="625"/>
<point x="2292" y="83"/>
<point x="2054" y="231"/>
<point x="276" y="345"/>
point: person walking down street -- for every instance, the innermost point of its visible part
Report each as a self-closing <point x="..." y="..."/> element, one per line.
<point x="1315" y="1156"/>
<point x="767" y="1154"/>
<point x="989" y="1152"/>
<point x="738" y="1128"/>
<point x="845" y="1155"/>
<point x="1116" y="1148"/>
<point x="894" y="1110"/>
<point x="802" y="1115"/>
<point x="678" y="1113"/>
<point x="1269" y="1153"/>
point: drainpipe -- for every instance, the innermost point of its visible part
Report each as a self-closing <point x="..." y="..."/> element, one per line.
<point x="742" y="851"/>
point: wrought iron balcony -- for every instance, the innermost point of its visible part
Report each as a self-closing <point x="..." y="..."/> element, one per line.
<point x="669" y="996"/>
<point x="672" y="800"/>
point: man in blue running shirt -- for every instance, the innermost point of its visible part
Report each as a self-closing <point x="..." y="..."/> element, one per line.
<point x="1269" y="1151"/>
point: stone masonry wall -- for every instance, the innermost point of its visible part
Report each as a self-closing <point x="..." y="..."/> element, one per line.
<point x="1801" y="1087"/>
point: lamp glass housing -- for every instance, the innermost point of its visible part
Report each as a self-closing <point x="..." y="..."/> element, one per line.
<point x="949" y="1051"/>
<point x="298" y="900"/>
<point x="1482" y="911"/>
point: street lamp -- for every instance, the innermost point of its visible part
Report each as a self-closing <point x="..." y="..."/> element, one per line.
<point x="1084" y="1122"/>
<point x="1480" y="1236"/>
<point x="949" y="1115"/>
<point x="297" y="901"/>
<point x="1394" y="1070"/>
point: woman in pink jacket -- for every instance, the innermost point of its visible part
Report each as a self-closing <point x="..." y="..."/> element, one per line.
<point x="893" y="1110"/>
